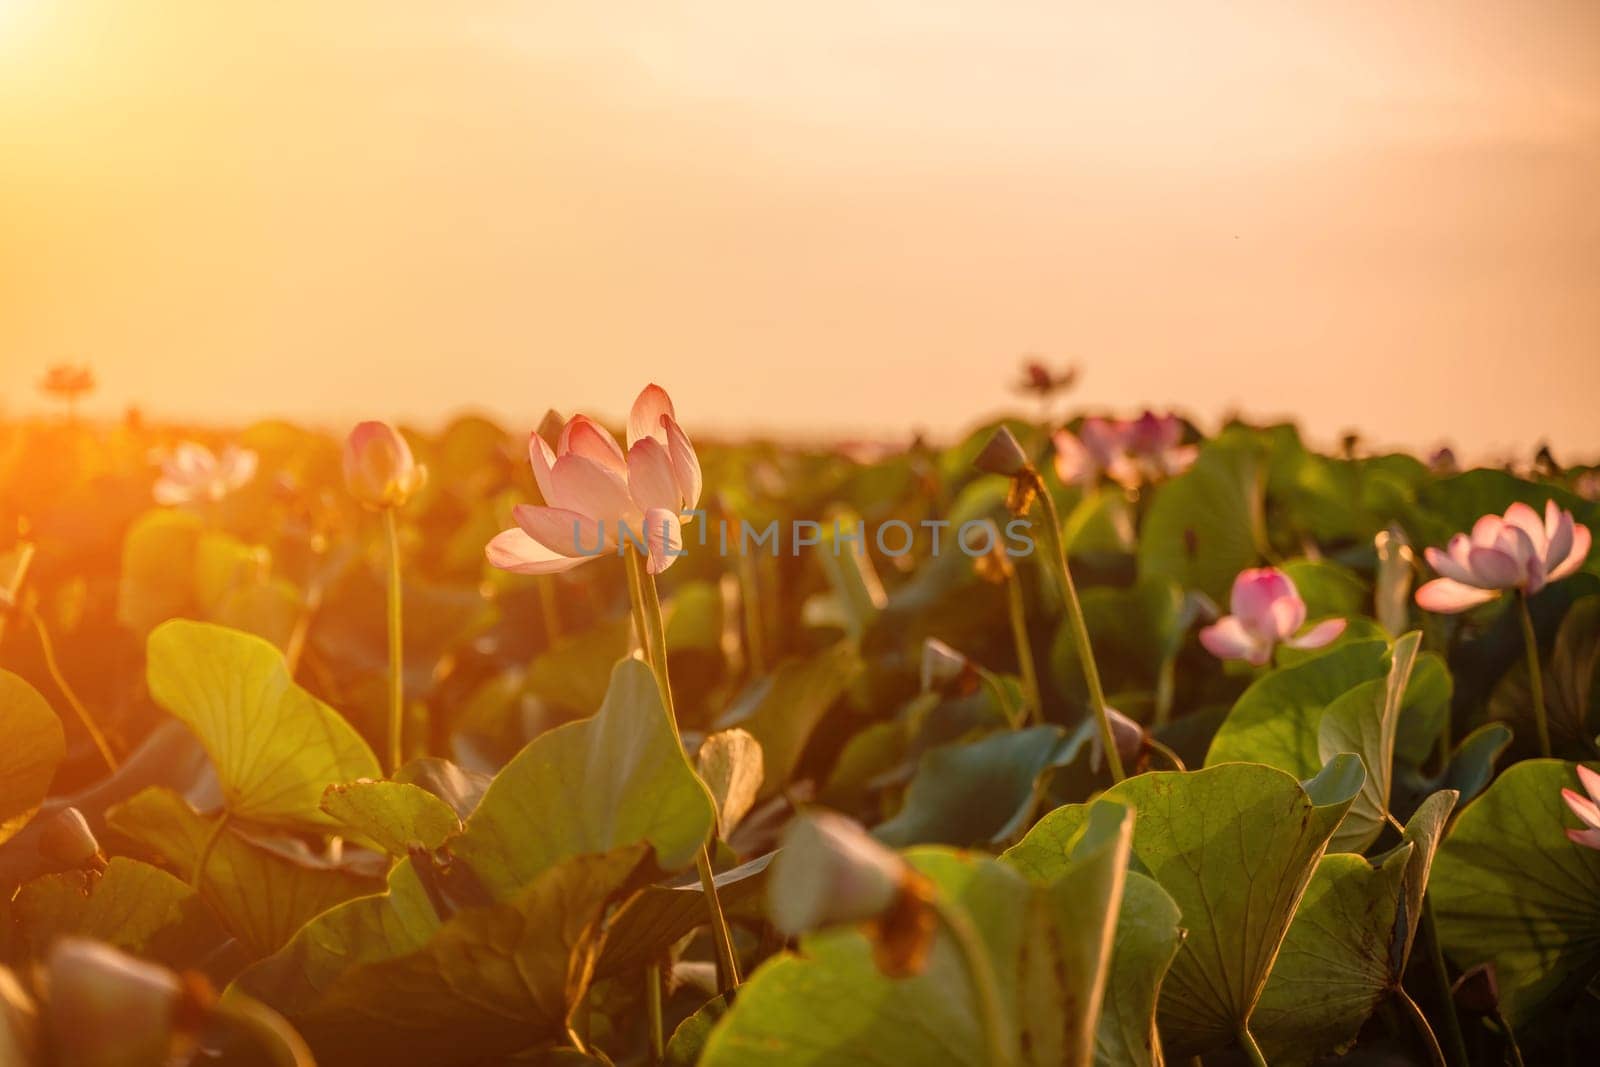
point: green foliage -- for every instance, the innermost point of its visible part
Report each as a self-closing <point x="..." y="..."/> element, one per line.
<point x="33" y="746"/>
<point x="1511" y="890"/>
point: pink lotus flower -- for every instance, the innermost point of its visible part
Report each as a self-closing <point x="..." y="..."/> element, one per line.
<point x="1128" y="451"/>
<point x="1513" y="551"/>
<point x="1267" y="610"/>
<point x="194" y="472"/>
<point x="378" y="466"/>
<point x="1585" y="808"/>
<point x="596" y="497"/>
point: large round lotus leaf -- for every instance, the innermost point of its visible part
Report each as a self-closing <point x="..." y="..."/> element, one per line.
<point x="263" y="890"/>
<point x="1510" y="889"/>
<point x="1275" y="720"/>
<point x="33" y="747"/>
<point x="589" y="787"/>
<point x="1235" y="846"/>
<point x="275" y="746"/>
<point x="975" y="792"/>
<point x="1348" y="945"/>
<point x="1049" y="946"/>
<point x="1204" y="526"/>
<point x="395" y="815"/>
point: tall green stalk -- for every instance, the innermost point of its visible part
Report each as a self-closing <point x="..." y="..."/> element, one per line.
<point x="1080" y="634"/>
<point x="1019" y="635"/>
<point x="397" y="688"/>
<point x="1252" y="1051"/>
<point x="647" y="610"/>
<point x="48" y="648"/>
<point x="1530" y="641"/>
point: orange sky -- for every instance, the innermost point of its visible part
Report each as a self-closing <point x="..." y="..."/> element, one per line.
<point x="809" y="217"/>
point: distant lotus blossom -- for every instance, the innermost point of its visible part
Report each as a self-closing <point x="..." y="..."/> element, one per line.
<point x="1128" y="451"/>
<point x="194" y="473"/>
<point x="946" y="670"/>
<point x="1585" y="808"/>
<point x="1266" y="612"/>
<point x="595" y="495"/>
<point x="1512" y="551"/>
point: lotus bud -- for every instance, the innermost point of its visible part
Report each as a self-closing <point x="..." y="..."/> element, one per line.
<point x="19" y="1022"/>
<point x="1003" y="455"/>
<point x="1478" y="991"/>
<point x="108" y="1009"/>
<point x="67" y="841"/>
<point x="1129" y="736"/>
<point x="379" y="468"/>
<point x="944" y="670"/>
<point x="831" y="872"/>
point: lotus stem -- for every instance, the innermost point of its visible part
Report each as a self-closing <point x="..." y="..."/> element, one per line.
<point x="51" y="664"/>
<point x="1166" y="752"/>
<point x="1447" y="1003"/>
<point x="1080" y="636"/>
<point x="980" y="973"/>
<point x="1511" y="1040"/>
<point x="1530" y="641"/>
<point x="1424" y="1031"/>
<point x="397" y="686"/>
<point x="1252" y="1051"/>
<point x="652" y="1000"/>
<point x="750" y="602"/>
<point x="649" y="620"/>
<point x="550" y="610"/>
<point x="1019" y="634"/>
<point x="280" y="1042"/>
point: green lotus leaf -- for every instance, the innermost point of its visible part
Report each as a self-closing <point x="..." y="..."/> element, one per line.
<point x="649" y="923"/>
<point x="1364" y="721"/>
<point x="263" y="891"/>
<point x="689" y="1039"/>
<point x="1234" y="846"/>
<point x="1049" y="946"/>
<point x="368" y="929"/>
<point x="275" y="746"/>
<point x="396" y="815"/>
<point x="1510" y="889"/>
<point x="974" y="792"/>
<point x="1145" y="943"/>
<point x="1348" y="945"/>
<point x="489" y="981"/>
<point x="1147" y="940"/>
<point x="1328" y="588"/>
<point x="1275" y="721"/>
<point x="575" y="672"/>
<point x="1204" y="526"/>
<point x="34" y="745"/>
<point x="132" y="905"/>
<point x="783" y="710"/>
<point x="154" y="582"/>
<point x="589" y="787"/>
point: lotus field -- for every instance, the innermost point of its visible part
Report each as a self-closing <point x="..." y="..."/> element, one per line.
<point x="1091" y="738"/>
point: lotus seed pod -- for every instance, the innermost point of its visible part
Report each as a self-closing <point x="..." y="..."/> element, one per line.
<point x="106" y="1008"/>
